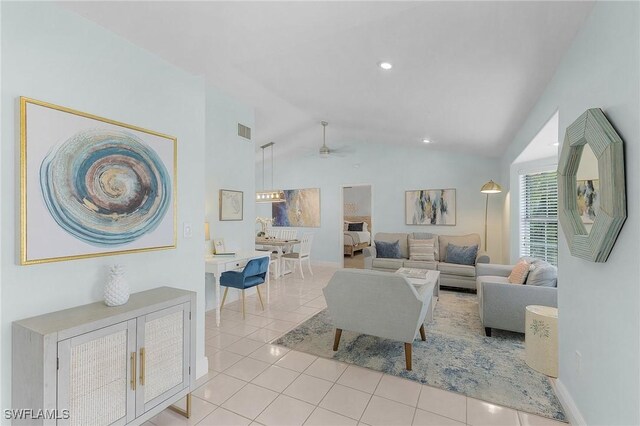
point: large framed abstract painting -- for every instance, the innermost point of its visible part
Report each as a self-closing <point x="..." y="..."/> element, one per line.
<point x="91" y="186"/>
<point x="430" y="207"/>
<point x="301" y="208"/>
<point x="231" y="204"/>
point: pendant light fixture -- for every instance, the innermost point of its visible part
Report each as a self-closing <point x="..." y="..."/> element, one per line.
<point x="271" y="195"/>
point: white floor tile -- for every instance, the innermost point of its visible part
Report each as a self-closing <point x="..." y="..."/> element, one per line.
<point x="399" y="390"/>
<point x="309" y="389"/>
<point x="322" y="417"/>
<point x="285" y="411"/>
<point x="246" y="369"/>
<point x="257" y="321"/>
<point x="265" y="335"/>
<point x="384" y="412"/>
<point x="276" y="378"/>
<point x="222" y="360"/>
<point x="278" y="325"/>
<point x="222" y="340"/>
<point x="297" y="361"/>
<point x="346" y="401"/>
<point x="318" y="302"/>
<point x="426" y="418"/>
<point x="447" y="404"/>
<point x="360" y="378"/>
<point x="219" y="389"/>
<point x="199" y="410"/>
<point x="480" y="413"/>
<point x="269" y="353"/>
<point x="306" y="310"/>
<point x="242" y="330"/>
<point x="326" y="369"/>
<point x="222" y="417"/>
<point x="243" y="346"/>
<point x="250" y="401"/>
<point x="527" y="419"/>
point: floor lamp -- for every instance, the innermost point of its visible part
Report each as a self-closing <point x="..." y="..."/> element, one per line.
<point x="488" y="188"/>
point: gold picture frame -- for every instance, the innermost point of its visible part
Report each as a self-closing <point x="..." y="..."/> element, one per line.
<point x="36" y="118"/>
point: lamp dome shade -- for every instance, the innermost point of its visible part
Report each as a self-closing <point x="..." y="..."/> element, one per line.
<point x="491" y="188"/>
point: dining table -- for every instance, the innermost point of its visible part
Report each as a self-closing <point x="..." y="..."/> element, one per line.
<point x="280" y="246"/>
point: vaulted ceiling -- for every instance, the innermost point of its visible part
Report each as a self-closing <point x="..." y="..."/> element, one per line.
<point x="465" y="74"/>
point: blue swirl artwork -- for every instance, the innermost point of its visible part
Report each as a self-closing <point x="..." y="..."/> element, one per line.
<point x="105" y="187"/>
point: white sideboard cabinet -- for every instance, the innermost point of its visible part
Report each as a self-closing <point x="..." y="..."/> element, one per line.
<point x="100" y="365"/>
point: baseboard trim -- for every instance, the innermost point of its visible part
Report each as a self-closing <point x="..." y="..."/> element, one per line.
<point x="572" y="411"/>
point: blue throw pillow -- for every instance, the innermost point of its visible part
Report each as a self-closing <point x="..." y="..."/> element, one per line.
<point x="388" y="250"/>
<point x="357" y="226"/>
<point x="462" y="255"/>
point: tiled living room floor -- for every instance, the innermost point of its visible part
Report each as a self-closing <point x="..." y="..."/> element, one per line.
<point x="253" y="382"/>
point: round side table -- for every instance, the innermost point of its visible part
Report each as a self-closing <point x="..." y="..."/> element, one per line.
<point x="541" y="339"/>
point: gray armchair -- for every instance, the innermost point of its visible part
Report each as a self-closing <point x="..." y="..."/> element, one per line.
<point x="501" y="304"/>
<point x="382" y="304"/>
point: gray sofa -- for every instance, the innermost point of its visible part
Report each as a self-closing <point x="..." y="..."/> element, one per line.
<point x="502" y="305"/>
<point x="452" y="275"/>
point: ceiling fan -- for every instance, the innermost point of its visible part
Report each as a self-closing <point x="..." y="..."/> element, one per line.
<point x="324" y="150"/>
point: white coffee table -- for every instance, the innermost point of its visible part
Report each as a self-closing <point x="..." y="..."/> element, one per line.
<point x="430" y="277"/>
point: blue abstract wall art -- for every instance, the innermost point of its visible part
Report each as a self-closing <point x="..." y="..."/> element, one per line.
<point x="92" y="186"/>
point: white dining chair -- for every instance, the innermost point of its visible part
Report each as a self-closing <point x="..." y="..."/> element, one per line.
<point x="273" y="232"/>
<point x="274" y="265"/>
<point x="303" y="254"/>
<point x="288" y="234"/>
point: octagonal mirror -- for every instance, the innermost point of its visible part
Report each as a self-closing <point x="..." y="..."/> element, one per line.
<point x="591" y="186"/>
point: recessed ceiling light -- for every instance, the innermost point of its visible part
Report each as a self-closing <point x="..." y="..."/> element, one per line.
<point x="556" y="144"/>
<point x="426" y="141"/>
<point x="385" y="65"/>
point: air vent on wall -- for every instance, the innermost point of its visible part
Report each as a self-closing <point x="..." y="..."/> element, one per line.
<point x="244" y="131"/>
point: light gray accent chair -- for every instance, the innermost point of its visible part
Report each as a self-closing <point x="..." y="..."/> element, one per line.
<point x="381" y="304"/>
<point x="451" y="275"/>
<point x="502" y="305"/>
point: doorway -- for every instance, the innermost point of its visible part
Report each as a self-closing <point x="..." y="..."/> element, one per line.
<point x="357" y="213"/>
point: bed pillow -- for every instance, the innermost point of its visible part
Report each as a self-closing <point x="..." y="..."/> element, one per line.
<point x="387" y="250"/>
<point x="355" y="226"/>
<point x="462" y="255"/>
<point x="422" y="249"/>
<point x="365" y="226"/>
<point x="519" y="272"/>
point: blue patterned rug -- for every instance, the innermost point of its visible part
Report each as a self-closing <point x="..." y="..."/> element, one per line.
<point x="456" y="356"/>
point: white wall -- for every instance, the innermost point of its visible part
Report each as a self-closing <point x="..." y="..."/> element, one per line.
<point x="229" y="164"/>
<point x="391" y="170"/>
<point x="53" y="55"/>
<point x="599" y="303"/>
<point x="359" y="197"/>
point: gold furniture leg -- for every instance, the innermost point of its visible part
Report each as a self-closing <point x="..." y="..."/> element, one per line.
<point x="186" y="413"/>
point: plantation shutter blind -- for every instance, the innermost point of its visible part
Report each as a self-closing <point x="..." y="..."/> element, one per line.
<point x="539" y="216"/>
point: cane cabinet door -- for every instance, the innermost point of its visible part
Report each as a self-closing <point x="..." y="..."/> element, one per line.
<point x="163" y="347"/>
<point x="96" y="376"/>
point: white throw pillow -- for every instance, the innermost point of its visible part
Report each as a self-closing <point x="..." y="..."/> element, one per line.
<point x="422" y="250"/>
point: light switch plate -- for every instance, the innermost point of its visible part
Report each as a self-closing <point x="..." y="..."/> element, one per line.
<point x="187" y="230"/>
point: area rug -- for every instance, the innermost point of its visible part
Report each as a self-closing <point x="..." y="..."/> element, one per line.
<point x="456" y="357"/>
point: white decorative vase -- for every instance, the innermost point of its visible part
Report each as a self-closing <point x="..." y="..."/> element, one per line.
<point x="116" y="292"/>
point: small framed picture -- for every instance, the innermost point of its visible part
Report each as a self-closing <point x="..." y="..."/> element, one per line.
<point x="231" y="204"/>
<point x="218" y="245"/>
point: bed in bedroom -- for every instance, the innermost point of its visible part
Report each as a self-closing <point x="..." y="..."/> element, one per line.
<point x="357" y="234"/>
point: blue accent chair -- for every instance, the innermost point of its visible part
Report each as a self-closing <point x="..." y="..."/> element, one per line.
<point x="253" y="274"/>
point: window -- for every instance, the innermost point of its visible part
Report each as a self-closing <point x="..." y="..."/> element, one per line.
<point x="539" y="216"/>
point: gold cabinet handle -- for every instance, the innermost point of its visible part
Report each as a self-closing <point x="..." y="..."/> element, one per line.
<point x="142" y="362"/>
<point x="133" y="370"/>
